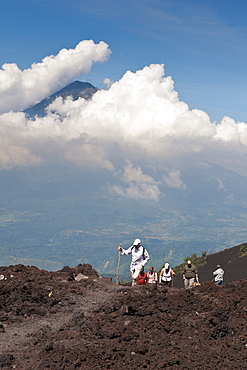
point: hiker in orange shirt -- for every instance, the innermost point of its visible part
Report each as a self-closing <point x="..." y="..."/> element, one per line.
<point x="142" y="278"/>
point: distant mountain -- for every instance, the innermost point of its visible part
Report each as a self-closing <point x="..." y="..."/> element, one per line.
<point x="76" y="89"/>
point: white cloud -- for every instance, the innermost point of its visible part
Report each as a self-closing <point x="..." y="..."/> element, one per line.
<point x="173" y="180"/>
<point x="139" y="185"/>
<point x="138" y="191"/>
<point x="89" y="156"/>
<point x="139" y="120"/>
<point x="229" y="131"/>
<point x="12" y="156"/>
<point x="20" y="89"/>
<point x="135" y="174"/>
<point x="108" y="82"/>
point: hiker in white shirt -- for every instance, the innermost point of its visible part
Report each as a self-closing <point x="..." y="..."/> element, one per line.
<point x="166" y="275"/>
<point x="152" y="276"/>
<point x="140" y="257"/>
<point x="218" y="273"/>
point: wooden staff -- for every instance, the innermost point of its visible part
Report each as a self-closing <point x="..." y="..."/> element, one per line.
<point x="118" y="264"/>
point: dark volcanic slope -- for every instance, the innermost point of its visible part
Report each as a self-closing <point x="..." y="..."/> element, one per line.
<point x="232" y="260"/>
<point x="94" y="324"/>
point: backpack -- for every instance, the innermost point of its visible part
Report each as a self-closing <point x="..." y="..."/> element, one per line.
<point x="143" y="252"/>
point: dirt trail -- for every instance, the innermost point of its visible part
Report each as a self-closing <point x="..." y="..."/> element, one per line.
<point x="14" y="335"/>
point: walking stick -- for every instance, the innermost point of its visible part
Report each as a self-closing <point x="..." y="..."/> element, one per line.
<point x="118" y="264"/>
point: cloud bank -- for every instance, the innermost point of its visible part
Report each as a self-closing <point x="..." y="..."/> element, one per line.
<point x="138" y="129"/>
<point x="21" y="89"/>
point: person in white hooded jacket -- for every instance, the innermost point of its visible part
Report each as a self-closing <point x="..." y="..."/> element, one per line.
<point x="218" y="275"/>
<point x="140" y="257"/>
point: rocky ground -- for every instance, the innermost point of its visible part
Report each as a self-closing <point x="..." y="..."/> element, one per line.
<point x="49" y="320"/>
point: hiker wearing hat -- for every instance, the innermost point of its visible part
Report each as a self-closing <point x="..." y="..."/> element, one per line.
<point x="218" y="275"/>
<point x="152" y="276"/>
<point x="140" y="257"/>
<point x="190" y="274"/>
<point x="166" y="275"/>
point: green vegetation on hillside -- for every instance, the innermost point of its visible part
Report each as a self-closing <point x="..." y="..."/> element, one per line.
<point x="196" y="260"/>
<point x="243" y="249"/>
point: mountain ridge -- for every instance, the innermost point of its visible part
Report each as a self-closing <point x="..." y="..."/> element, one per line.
<point x="76" y="89"/>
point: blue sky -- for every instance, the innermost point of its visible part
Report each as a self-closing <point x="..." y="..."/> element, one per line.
<point x="202" y="43"/>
